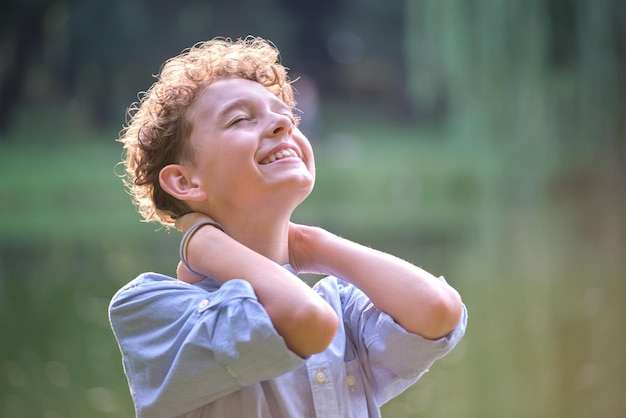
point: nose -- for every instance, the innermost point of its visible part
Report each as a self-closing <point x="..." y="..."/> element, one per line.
<point x="280" y="125"/>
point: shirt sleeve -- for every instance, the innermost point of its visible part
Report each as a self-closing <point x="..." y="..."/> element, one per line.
<point x="184" y="346"/>
<point x="393" y="358"/>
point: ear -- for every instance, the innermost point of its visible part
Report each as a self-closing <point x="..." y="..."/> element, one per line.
<point x="177" y="181"/>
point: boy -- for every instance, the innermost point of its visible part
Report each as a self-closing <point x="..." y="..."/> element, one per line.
<point x="214" y="148"/>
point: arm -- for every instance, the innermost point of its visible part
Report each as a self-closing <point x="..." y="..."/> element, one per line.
<point x="414" y="298"/>
<point x="186" y="346"/>
<point x="305" y="321"/>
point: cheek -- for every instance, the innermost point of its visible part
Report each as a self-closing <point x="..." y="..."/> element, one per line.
<point x="311" y="166"/>
<point x="306" y="148"/>
<point x="309" y="158"/>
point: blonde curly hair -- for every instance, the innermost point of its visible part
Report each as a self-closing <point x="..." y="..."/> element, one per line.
<point x="157" y="129"/>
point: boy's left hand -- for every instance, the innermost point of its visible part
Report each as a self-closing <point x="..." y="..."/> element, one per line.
<point x="302" y="254"/>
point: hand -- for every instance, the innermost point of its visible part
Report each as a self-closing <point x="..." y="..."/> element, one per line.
<point x="183" y="224"/>
<point x="186" y="221"/>
<point x="186" y="276"/>
<point x="302" y="254"/>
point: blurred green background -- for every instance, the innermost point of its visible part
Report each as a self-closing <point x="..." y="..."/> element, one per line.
<point x="484" y="140"/>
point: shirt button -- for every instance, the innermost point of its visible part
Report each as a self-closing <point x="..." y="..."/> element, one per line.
<point x="203" y="304"/>
<point x="351" y="381"/>
<point x="320" y="377"/>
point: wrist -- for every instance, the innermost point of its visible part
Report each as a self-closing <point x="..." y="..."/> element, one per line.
<point x="185" y="222"/>
<point x="198" y="222"/>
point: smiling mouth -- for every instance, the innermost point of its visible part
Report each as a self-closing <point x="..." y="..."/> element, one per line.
<point x="279" y="155"/>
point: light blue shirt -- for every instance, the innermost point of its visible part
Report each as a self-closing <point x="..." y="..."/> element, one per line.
<point x="206" y="350"/>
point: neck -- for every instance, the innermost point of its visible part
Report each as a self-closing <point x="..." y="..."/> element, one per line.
<point x="260" y="224"/>
<point x="265" y="234"/>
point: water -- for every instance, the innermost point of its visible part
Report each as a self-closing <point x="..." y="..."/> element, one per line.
<point x="544" y="285"/>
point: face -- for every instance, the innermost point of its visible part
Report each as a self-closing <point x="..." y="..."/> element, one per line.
<point x="248" y="153"/>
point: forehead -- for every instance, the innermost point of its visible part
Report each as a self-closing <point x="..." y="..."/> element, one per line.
<point x="228" y="93"/>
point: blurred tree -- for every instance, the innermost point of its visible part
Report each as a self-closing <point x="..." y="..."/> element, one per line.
<point x="93" y="56"/>
<point x="21" y="33"/>
<point x="90" y="55"/>
<point x="310" y="35"/>
<point x="352" y="49"/>
<point x="536" y="82"/>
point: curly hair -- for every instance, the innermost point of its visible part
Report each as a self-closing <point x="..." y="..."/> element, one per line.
<point x="158" y="128"/>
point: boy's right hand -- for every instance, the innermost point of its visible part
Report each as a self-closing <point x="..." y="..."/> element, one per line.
<point x="183" y="224"/>
<point x="186" y="221"/>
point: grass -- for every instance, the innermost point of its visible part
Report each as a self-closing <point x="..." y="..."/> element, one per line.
<point x="62" y="191"/>
<point x="67" y="188"/>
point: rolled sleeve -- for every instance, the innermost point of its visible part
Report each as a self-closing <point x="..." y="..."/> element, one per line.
<point x="184" y="346"/>
<point x="398" y="358"/>
<point x="394" y="357"/>
<point x="245" y="339"/>
<point x="395" y="347"/>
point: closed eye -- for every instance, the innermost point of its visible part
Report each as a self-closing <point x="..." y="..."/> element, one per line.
<point x="238" y="119"/>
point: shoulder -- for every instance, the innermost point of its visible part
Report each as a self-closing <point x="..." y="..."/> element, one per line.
<point x="158" y="294"/>
<point x="149" y="280"/>
<point x="156" y="283"/>
<point x="148" y="286"/>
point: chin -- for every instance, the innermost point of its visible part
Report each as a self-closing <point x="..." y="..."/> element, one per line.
<point x="300" y="193"/>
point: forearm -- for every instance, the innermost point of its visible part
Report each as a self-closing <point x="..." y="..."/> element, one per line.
<point x="304" y="320"/>
<point x="418" y="301"/>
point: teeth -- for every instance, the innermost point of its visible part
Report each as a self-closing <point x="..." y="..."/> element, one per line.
<point x="278" y="155"/>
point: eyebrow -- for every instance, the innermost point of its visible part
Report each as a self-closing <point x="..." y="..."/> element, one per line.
<point x="234" y="104"/>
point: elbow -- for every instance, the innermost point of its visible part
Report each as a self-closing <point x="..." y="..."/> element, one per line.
<point x="439" y="315"/>
<point x="314" y="328"/>
<point x="446" y="313"/>
<point x="324" y="330"/>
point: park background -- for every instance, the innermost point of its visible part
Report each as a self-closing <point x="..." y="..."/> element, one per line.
<point x="484" y="140"/>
